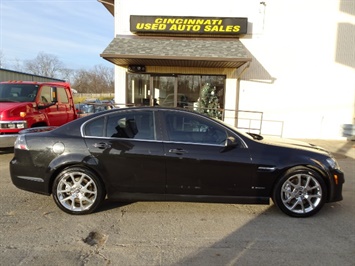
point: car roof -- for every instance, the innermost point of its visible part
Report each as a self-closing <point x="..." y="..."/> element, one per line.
<point x="19" y="82"/>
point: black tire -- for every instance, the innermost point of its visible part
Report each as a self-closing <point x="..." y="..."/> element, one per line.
<point x="300" y="192"/>
<point x="78" y="191"/>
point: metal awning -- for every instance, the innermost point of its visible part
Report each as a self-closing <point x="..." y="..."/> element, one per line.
<point x="176" y="51"/>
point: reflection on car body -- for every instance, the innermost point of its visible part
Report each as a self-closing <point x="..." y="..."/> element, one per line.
<point x="157" y="153"/>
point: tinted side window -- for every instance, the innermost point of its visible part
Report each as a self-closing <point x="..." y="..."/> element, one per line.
<point x="95" y="128"/>
<point x="131" y="124"/>
<point x="190" y="128"/>
<point x="45" y="95"/>
<point x="63" y="97"/>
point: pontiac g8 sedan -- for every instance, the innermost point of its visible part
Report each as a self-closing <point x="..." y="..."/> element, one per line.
<point x="155" y="154"/>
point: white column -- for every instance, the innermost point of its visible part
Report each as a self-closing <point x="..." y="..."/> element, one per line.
<point x="231" y="99"/>
<point x="120" y="85"/>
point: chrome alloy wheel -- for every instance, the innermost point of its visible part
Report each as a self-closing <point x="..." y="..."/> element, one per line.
<point x="301" y="193"/>
<point x="76" y="191"/>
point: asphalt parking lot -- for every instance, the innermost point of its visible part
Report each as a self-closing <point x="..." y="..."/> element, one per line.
<point x="33" y="231"/>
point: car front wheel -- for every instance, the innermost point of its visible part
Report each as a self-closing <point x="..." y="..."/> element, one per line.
<point x="78" y="191"/>
<point x="301" y="192"/>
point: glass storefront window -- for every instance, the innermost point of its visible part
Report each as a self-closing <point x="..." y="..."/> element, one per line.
<point x="164" y="90"/>
<point x="138" y="92"/>
<point x="188" y="90"/>
<point x="203" y="93"/>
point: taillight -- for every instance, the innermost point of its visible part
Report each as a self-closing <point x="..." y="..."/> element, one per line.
<point x="20" y="143"/>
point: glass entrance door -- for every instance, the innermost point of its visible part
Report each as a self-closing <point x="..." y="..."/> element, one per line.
<point x="164" y="90"/>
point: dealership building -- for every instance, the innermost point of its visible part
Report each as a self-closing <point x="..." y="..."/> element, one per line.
<point x="276" y="67"/>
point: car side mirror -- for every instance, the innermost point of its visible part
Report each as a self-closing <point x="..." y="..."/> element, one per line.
<point x="54" y="98"/>
<point x="230" y="144"/>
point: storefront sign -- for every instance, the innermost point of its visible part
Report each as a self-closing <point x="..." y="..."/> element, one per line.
<point x="188" y="25"/>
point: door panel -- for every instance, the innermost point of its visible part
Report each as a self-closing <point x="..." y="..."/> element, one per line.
<point x="65" y="108"/>
<point x="130" y="166"/>
<point x="44" y="99"/>
<point x="127" y="149"/>
<point x="59" y="113"/>
<point x="207" y="170"/>
<point x="197" y="161"/>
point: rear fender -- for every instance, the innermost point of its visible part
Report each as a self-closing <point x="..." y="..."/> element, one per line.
<point x="59" y="163"/>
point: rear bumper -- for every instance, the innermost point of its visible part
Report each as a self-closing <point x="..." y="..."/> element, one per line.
<point x="7" y="141"/>
<point x="24" y="179"/>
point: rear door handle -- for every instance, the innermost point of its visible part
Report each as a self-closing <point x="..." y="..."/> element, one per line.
<point x="178" y="151"/>
<point x="102" y="145"/>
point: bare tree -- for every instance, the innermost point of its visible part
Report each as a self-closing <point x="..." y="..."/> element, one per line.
<point x="44" y="65"/>
<point x="2" y="59"/>
<point x="17" y="65"/>
<point x="98" y="80"/>
<point x="67" y="74"/>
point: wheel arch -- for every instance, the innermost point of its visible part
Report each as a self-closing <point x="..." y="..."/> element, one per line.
<point x="302" y="198"/>
<point x="78" y="190"/>
<point x="324" y="174"/>
<point x="39" y="124"/>
<point x="61" y="163"/>
<point x="317" y="169"/>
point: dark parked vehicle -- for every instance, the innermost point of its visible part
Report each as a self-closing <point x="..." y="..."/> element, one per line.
<point x="93" y="106"/>
<point x="157" y="153"/>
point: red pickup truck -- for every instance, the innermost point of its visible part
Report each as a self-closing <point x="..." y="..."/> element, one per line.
<point x="25" y="104"/>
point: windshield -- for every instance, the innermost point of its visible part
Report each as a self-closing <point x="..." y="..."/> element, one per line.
<point x="17" y="92"/>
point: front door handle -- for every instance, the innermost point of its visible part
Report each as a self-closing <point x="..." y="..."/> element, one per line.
<point x="102" y="145"/>
<point x="178" y="151"/>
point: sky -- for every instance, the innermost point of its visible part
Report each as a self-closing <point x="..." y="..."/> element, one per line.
<point x="75" y="31"/>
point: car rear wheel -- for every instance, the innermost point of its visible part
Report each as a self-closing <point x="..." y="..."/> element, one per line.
<point x="301" y="192"/>
<point x="78" y="191"/>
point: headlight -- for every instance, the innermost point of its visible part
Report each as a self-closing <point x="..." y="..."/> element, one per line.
<point x="333" y="163"/>
<point x="13" y="124"/>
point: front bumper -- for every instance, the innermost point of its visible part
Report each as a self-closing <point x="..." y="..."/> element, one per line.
<point x="8" y="140"/>
<point x="336" y="186"/>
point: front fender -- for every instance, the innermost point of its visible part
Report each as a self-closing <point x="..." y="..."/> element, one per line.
<point x="318" y="165"/>
<point x="35" y="118"/>
<point x="328" y="174"/>
<point x="268" y="174"/>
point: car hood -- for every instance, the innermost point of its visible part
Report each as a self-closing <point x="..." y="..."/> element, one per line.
<point x="295" y="144"/>
<point x="5" y="106"/>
